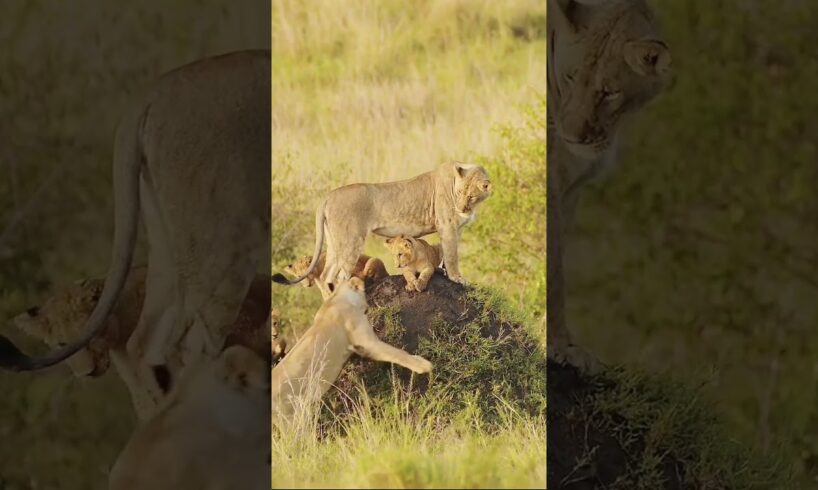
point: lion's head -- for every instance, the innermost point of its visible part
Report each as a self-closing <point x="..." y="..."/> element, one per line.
<point x="471" y="186"/>
<point x="403" y="247"/>
<point x="61" y="319"/>
<point x="245" y="372"/>
<point x="299" y="267"/>
<point x="606" y="60"/>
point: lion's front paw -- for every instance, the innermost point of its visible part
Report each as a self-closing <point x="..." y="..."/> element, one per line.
<point x="410" y="286"/>
<point x="459" y="280"/>
<point x="420" y="365"/>
<point x="576" y="356"/>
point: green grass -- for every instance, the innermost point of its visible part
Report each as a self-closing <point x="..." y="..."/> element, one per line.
<point x="665" y="414"/>
<point x="397" y="448"/>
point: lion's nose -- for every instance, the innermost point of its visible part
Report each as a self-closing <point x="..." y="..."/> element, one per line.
<point x="577" y="129"/>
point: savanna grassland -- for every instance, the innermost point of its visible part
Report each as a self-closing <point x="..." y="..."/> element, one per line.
<point x="376" y="91"/>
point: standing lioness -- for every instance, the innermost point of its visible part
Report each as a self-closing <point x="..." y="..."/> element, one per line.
<point x="442" y="201"/>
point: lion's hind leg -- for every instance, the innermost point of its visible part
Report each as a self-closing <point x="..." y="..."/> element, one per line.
<point x="335" y="273"/>
<point x="345" y="244"/>
<point x="146" y="348"/>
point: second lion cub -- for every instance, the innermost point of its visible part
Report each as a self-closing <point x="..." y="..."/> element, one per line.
<point x="366" y="268"/>
<point x="416" y="258"/>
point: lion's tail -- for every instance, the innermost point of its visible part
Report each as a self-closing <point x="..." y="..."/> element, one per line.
<point x="320" y="220"/>
<point x="126" y="170"/>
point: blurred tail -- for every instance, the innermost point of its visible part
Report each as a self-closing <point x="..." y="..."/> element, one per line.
<point x="127" y="166"/>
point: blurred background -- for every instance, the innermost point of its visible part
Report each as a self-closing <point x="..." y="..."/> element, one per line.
<point x="377" y="91"/>
<point x="67" y="70"/>
<point x="697" y="254"/>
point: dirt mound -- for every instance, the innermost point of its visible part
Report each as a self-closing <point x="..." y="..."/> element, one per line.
<point x="483" y="356"/>
<point x="620" y="429"/>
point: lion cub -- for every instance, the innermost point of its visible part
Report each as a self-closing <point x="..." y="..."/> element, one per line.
<point x="366" y="268"/>
<point x="62" y="317"/>
<point x="278" y="346"/>
<point x="416" y="258"/>
<point x="211" y="432"/>
<point x="313" y="364"/>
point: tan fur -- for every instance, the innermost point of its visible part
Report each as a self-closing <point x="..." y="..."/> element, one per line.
<point x="416" y="258"/>
<point x="278" y="345"/>
<point x="443" y="201"/>
<point x="192" y="159"/>
<point x="367" y="267"/>
<point x="62" y="317"/>
<point x="607" y="59"/>
<point x="211" y="433"/>
<point x="313" y="364"/>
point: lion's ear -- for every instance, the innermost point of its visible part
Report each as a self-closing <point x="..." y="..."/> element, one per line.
<point x="563" y="11"/>
<point x="648" y="58"/>
<point x="566" y="14"/>
<point x="356" y="283"/>
<point x="463" y="169"/>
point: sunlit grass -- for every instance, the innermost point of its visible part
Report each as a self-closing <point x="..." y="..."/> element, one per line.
<point x="398" y="450"/>
<point x="391" y="89"/>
